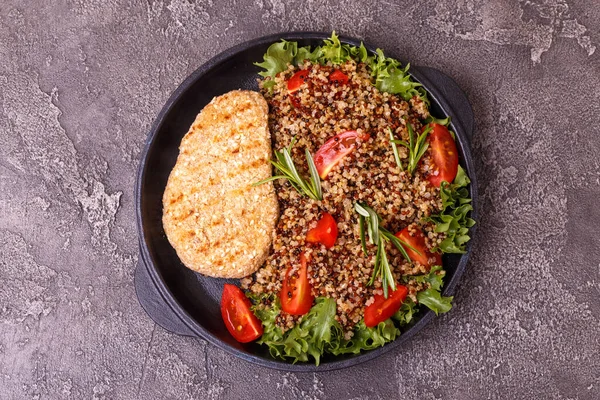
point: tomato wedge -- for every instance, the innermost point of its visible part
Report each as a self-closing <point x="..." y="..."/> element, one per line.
<point x="296" y="81"/>
<point x="417" y="241"/>
<point x="330" y="154"/>
<point x="382" y="308"/>
<point x="325" y="232"/>
<point x="237" y="315"/>
<point x="339" y="77"/>
<point x="295" y="295"/>
<point x="444" y="154"/>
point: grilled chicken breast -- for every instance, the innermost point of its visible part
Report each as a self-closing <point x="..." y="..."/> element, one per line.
<point x="217" y="222"/>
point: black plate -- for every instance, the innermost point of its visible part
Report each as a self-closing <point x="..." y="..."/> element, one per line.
<point x="187" y="303"/>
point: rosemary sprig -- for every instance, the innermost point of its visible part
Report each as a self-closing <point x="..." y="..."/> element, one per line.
<point x="284" y="163"/>
<point x="378" y="235"/>
<point x="416" y="146"/>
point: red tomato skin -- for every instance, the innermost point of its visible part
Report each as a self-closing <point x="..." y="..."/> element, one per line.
<point x="444" y="155"/>
<point x="418" y="242"/>
<point x="339" y="77"/>
<point x="333" y="150"/>
<point x="295" y="296"/>
<point x="239" y="319"/>
<point x="325" y="232"/>
<point x="296" y="81"/>
<point x="382" y="308"/>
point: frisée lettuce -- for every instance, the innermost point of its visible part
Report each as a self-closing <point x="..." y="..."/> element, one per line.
<point x="387" y="73"/>
<point x="317" y="333"/>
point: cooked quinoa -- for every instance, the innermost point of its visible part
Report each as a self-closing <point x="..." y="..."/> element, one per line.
<point x="369" y="174"/>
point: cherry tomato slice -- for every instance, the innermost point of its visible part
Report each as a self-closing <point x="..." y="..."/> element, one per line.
<point x="417" y="241"/>
<point x="444" y="154"/>
<point x="295" y="295"/>
<point x="239" y="319"/>
<point x="330" y="154"/>
<point x="325" y="232"/>
<point x="339" y="77"/>
<point x="296" y="81"/>
<point x="382" y="308"/>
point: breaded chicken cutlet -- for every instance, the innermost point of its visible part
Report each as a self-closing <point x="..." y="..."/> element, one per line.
<point x="219" y="224"/>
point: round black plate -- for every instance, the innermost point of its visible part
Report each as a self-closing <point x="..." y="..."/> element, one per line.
<point x="187" y="303"/>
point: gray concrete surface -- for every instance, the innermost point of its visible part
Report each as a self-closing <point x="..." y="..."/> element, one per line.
<point x="80" y="83"/>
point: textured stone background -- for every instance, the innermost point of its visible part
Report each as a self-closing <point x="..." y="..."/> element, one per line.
<point x="80" y="83"/>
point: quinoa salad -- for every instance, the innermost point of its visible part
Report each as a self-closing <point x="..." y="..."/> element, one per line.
<point x="371" y="195"/>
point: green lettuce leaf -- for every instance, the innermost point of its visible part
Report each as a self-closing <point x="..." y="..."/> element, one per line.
<point x="406" y="313"/>
<point x="304" y="53"/>
<point x="333" y="50"/>
<point x="316" y="330"/>
<point x="337" y="53"/>
<point x="392" y="78"/>
<point x="317" y="333"/>
<point x="272" y="335"/>
<point x="433" y="299"/>
<point x="313" y="335"/>
<point x="453" y="219"/>
<point x="277" y="57"/>
<point x="435" y="277"/>
<point x="367" y="338"/>
<point x="441" y="121"/>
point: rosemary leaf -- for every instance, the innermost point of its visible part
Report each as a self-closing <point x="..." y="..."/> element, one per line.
<point x="399" y="244"/>
<point x="395" y="150"/>
<point x="411" y="136"/>
<point x="374" y="222"/>
<point x="361" y="210"/>
<point x="273" y="178"/>
<point x="384" y="264"/>
<point x="387" y="279"/>
<point x="280" y="159"/>
<point x="289" y="163"/>
<point x="376" y="265"/>
<point x="370" y="232"/>
<point x="361" y="224"/>
<point x="292" y="143"/>
<point x="314" y="175"/>
<point x="421" y="152"/>
<point x="402" y="142"/>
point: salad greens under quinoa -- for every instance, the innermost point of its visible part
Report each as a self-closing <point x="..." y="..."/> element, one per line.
<point x="371" y="195"/>
<point x="387" y="73"/>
